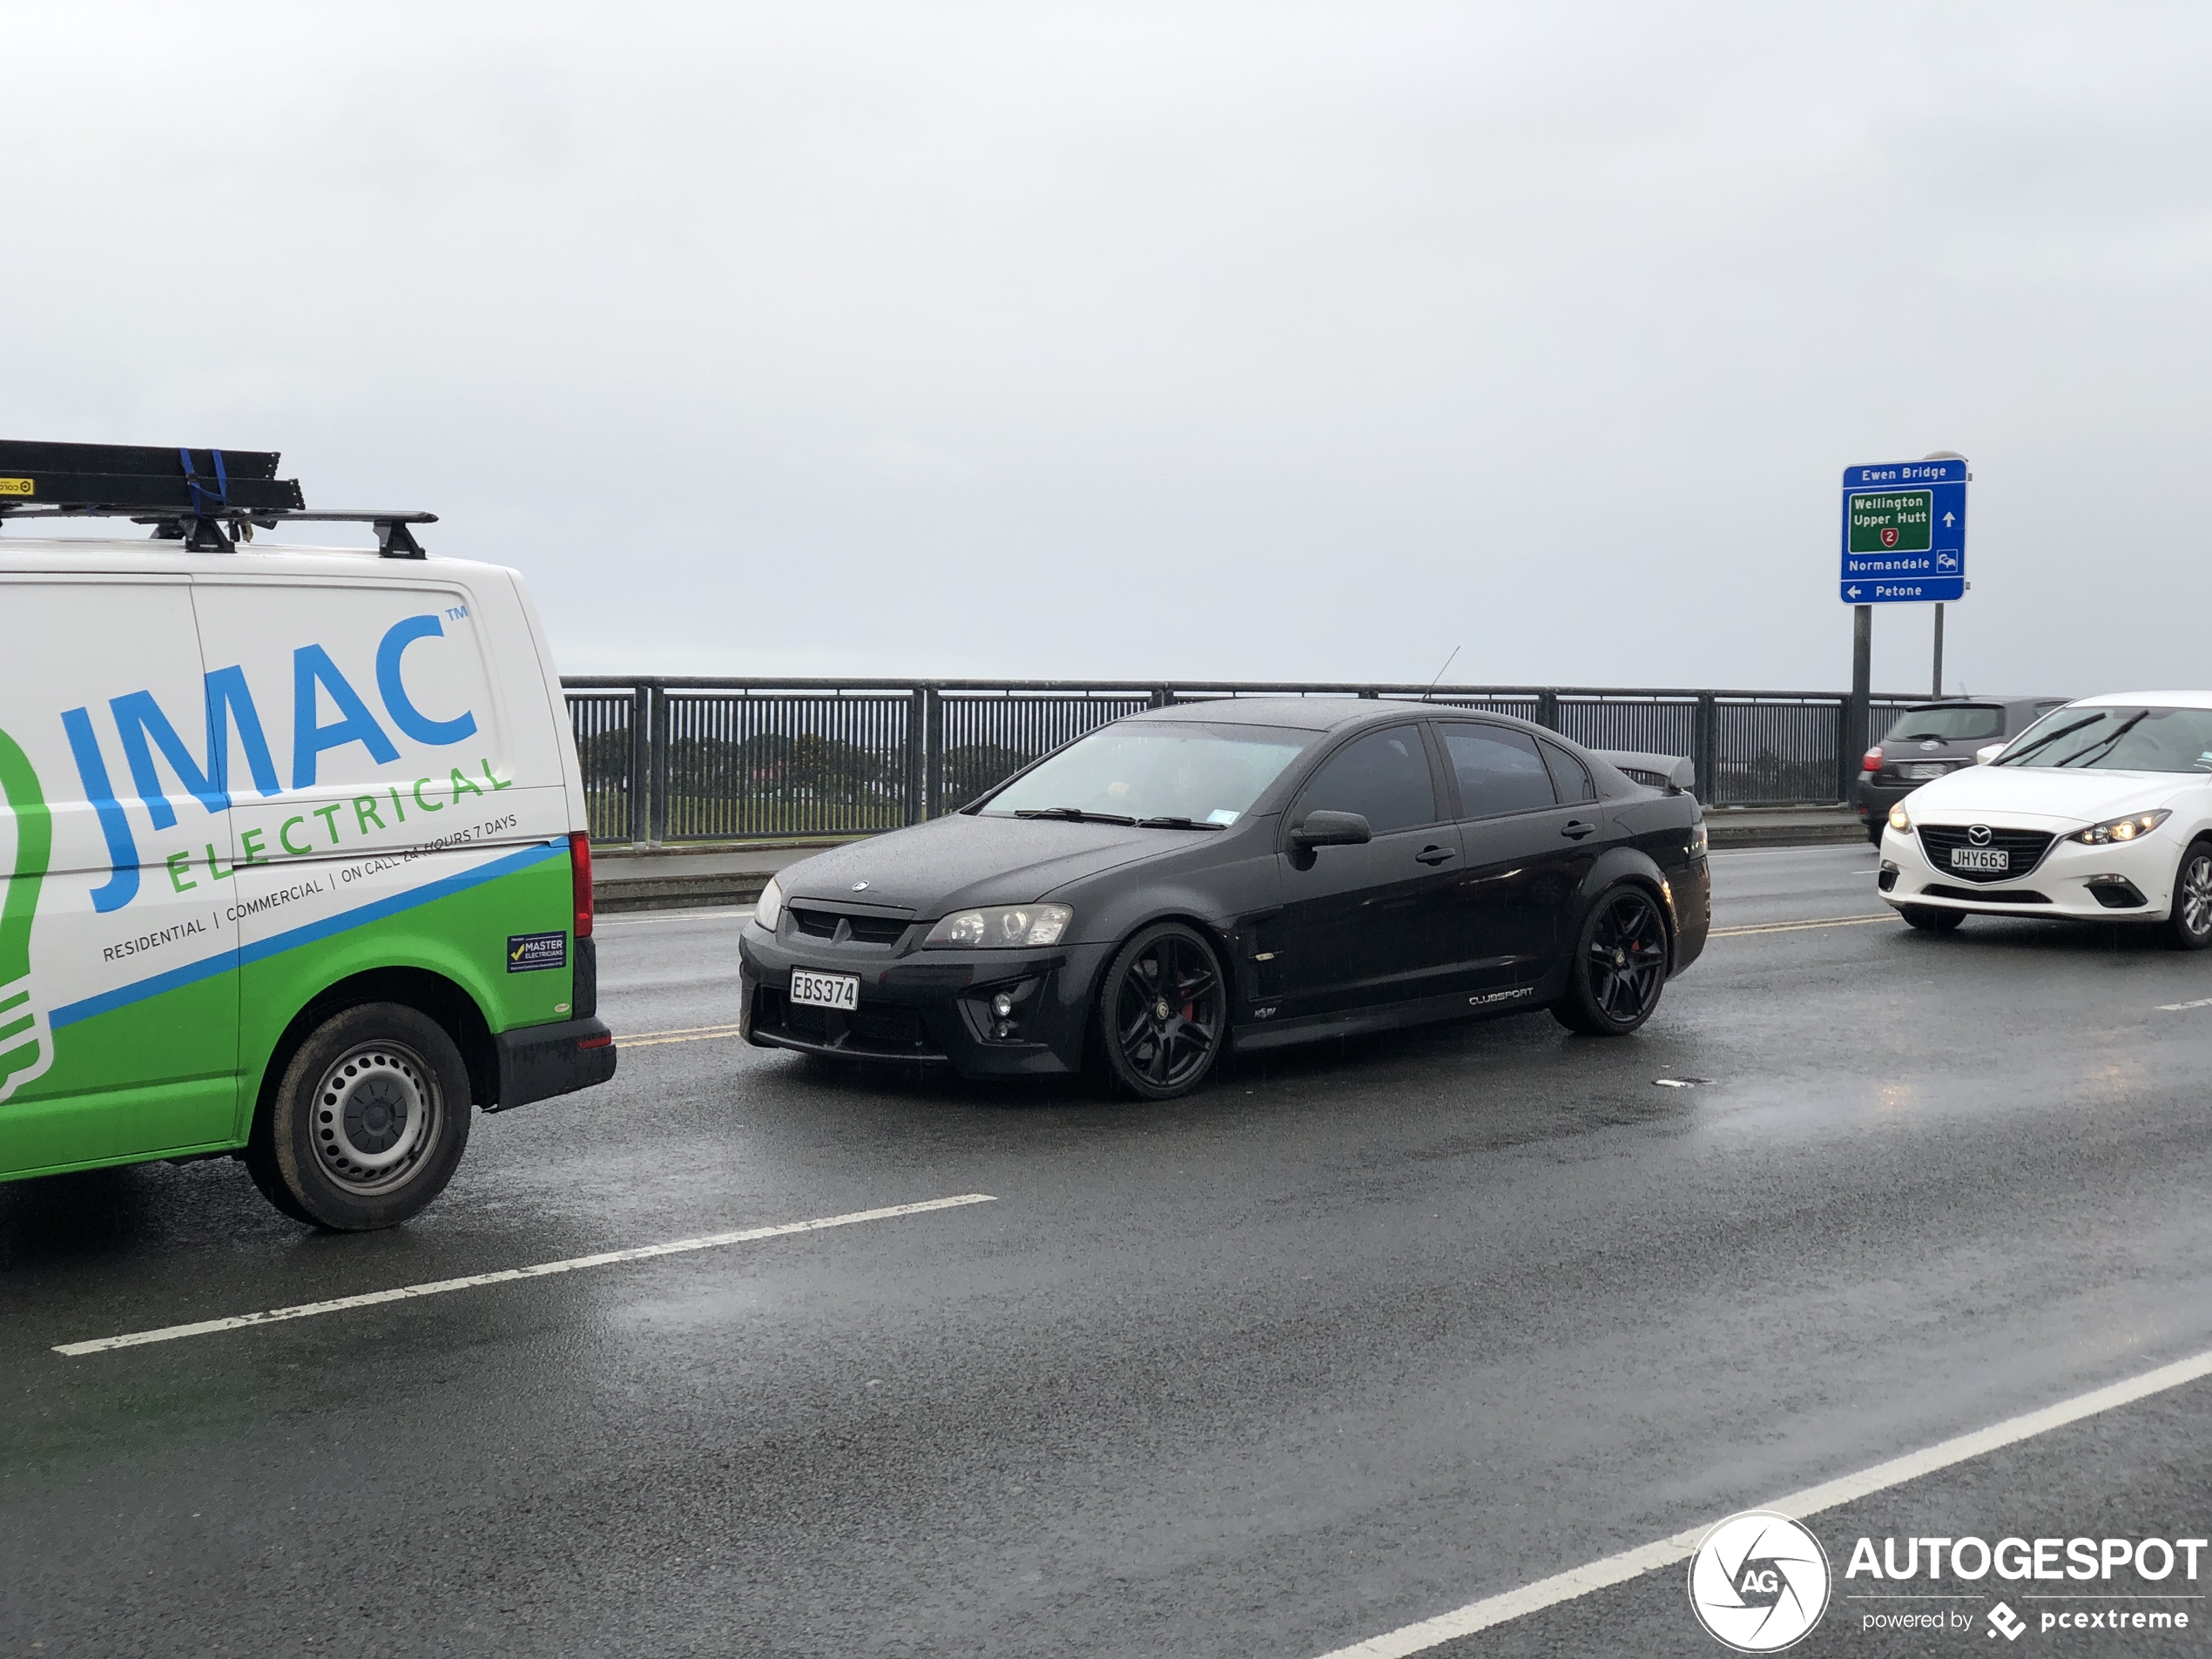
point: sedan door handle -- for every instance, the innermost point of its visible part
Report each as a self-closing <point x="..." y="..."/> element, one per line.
<point x="1433" y="855"/>
<point x="1576" y="829"/>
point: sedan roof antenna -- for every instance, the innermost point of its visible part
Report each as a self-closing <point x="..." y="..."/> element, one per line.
<point x="1448" y="661"/>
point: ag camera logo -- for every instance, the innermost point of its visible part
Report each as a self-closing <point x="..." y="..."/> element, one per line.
<point x="1758" y="1581"/>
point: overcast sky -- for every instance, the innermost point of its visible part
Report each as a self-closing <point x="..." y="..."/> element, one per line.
<point x="1268" y="341"/>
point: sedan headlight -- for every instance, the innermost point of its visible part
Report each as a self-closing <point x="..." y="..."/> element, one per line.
<point x="768" y="908"/>
<point x="1002" y="929"/>
<point x="1898" y="820"/>
<point x="2121" y="829"/>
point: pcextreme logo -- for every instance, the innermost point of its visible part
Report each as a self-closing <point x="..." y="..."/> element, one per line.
<point x="26" y="1045"/>
<point x="1758" y="1581"/>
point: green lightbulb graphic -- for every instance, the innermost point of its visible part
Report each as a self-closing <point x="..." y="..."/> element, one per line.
<point x="26" y="1044"/>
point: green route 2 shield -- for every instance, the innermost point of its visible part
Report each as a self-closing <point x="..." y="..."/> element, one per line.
<point x="1890" y="521"/>
<point x="1905" y="532"/>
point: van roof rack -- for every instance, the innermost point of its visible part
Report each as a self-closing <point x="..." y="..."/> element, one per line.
<point x="210" y="500"/>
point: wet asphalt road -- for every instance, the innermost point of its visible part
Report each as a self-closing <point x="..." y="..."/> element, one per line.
<point x="1357" y="1336"/>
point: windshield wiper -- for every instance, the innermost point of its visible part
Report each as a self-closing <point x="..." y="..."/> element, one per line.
<point x="2104" y="745"/>
<point x="1074" y="815"/>
<point x="2047" y="739"/>
<point x="1176" y="823"/>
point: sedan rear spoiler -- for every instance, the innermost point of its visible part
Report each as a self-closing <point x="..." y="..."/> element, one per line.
<point x="1670" y="772"/>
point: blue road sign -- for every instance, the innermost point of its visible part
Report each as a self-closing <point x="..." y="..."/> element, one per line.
<point x="1904" y="533"/>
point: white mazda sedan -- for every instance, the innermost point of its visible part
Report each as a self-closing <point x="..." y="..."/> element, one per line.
<point x="2101" y="810"/>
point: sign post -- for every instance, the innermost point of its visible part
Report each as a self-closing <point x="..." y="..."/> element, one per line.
<point x="1904" y="543"/>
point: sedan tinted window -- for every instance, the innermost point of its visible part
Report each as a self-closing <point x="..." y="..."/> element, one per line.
<point x="1384" y="777"/>
<point x="1569" y="776"/>
<point x="1499" y="769"/>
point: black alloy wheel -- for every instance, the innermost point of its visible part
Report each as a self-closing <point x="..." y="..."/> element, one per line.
<point x="1619" y="966"/>
<point x="1930" y="920"/>
<point x="2189" y="926"/>
<point x="1162" y="1013"/>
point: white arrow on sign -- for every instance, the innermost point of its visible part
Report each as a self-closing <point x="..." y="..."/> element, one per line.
<point x="1949" y="520"/>
<point x="1853" y="592"/>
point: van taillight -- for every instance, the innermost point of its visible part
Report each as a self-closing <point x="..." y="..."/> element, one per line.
<point x="580" y="866"/>
<point x="1873" y="761"/>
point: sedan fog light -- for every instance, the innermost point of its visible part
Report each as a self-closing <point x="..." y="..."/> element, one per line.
<point x="2121" y="829"/>
<point x="1002" y="1006"/>
<point x="1898" y="821"/>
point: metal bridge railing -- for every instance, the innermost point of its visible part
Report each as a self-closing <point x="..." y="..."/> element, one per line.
<point x="668" y="761"/>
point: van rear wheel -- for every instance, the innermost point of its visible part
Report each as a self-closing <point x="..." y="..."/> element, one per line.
<point x="367" y="1122"/>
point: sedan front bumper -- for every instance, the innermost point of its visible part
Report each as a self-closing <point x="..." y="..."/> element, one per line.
<point x="2123" y="881"/>
<point x="932" y="1007"/>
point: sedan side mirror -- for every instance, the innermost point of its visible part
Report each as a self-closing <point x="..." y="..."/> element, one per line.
<point x="1331" y="829"/>
<point x="1988" y="753"/>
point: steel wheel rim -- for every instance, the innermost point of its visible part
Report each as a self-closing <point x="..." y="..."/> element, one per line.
<point x="1167" y="1012"/>
<point x="377" y="1113"/>
<point x="1626" y="958"/>
<point x="2196" y="894"/>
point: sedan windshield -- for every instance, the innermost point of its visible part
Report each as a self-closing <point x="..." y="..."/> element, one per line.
<point x="1950" y="723"/>
<point x="1174" y="776"/>
<point x="2117" y="739"/>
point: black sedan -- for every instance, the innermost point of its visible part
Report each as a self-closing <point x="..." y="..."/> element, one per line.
<point x="1248" y="873"/>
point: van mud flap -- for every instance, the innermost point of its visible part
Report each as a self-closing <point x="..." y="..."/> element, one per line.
<point x="538" y="1061"/>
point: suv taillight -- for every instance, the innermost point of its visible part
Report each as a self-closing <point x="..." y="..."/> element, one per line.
<point x="1873" y="760"/>
<point x="580" y="867"/>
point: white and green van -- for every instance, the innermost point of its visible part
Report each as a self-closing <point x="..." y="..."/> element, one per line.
<point x="294" y="858"/>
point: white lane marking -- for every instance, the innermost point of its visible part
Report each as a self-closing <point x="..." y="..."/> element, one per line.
<point x="2175" y="1008"/>
<point x="1800" y="926"/>
<point x="543" y="1270"/>
<point x="1667" y="1552"/>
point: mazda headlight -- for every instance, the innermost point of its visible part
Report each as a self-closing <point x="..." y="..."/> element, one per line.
<point x="2121" y="829"/>
<point x="1007" y="928"/>
<point x="768" y="908"/>
<point x="1898" y="820"/>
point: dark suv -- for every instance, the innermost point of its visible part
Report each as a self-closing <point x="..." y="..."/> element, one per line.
<point x="1929" y="739"/>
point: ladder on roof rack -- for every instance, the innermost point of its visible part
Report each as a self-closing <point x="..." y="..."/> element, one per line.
<point x="208" y="499"/>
